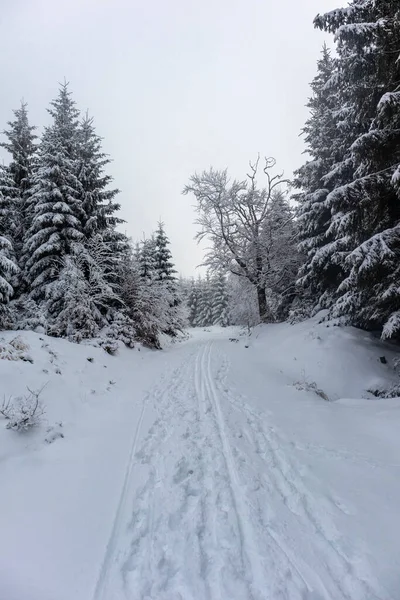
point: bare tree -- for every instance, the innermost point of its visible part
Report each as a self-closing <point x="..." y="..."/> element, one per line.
<point x="233" y="216"/>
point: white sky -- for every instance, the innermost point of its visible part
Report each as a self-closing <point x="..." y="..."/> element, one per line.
<point x="174" y="86"/>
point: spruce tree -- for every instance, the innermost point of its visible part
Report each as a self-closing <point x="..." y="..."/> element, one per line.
<point x="163" y="257"/>
<point x="98" y="200"/>
<point x="8" y="266"/>
<point x="100" y="210"/>
<point x="193" y="302"/>
<point x="319" y="276"/>
<point x="142" y="303"/>
<point x="59" y="216"/>
<point x="281" y="257"/>
<point x="21" y="144"/>
<point x="205" y="314"/>
<point x="168" y="283"/>
<point x="146" y="255"/>
<point x="220" y="301"/>
<point x="366" y="209"/>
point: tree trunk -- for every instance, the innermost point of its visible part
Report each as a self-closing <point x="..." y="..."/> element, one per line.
<point x="262" y="304"/>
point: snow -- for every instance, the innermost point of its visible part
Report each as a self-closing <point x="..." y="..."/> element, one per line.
<point x="212" y="469"/>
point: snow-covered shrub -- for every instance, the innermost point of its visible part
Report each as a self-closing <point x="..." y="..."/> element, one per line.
<point x="19" y="344"/>
<point x="17" y="349"/>
<point x="121" y="328"/>
<point x="23" y="412"/>
<point x="27" y="314"/>
<point x="310" y="386"/>
<point x="109" y="345"/>
<point x="303" y="307"/>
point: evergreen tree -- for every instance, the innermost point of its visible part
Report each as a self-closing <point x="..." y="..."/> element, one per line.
<point x="147" y="259"/>
<point x="280" y="255"/>
<point x="165" y="273"/>
<point x="163" y="257"/>
<point x="78" y="302"/>
<point x="140" y="306"/>
<point x="220" y="301"/>
<point x="366" y="209"/>
<point x="319" y="276"/>
<point x="8" y="207"/>
<point x="193" y="302"/>
<point x="100" y="210"/>
<point x="8" y="266"/>
<point x="56" y="192"/>
<point x="20" y="143"/>
<point x="98" y="201"/>
<point x="205" y="313"/>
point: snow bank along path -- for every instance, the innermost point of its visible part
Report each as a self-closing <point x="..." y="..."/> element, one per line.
<point x="220" y="503"/>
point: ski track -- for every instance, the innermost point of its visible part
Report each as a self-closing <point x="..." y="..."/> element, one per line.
<point x="347" y="579"/>
<point x="101" y="585"/>
<point x="203" y="525"/>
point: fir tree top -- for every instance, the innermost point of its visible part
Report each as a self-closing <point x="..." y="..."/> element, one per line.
<point x="21" y="145"/>
<point x="163" y="257"/>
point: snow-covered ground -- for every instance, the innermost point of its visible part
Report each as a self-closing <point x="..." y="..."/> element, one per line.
<point x="215" y="469"/>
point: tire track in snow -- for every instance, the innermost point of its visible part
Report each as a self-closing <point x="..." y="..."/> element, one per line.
<point x="282" y="473"/>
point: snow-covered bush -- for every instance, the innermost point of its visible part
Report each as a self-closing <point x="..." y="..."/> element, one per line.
<point x="16" y="349"/>
<point x="121" y="328"/>
<point x="110" y="346"/>
<point x="26" y="313"/>
<point x="310" y="386"/>
<point x="23" y="412"/>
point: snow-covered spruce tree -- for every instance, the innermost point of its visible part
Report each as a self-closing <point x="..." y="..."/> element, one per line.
<point x="319" y="277"/>
<point x="167" y="282"/>
<point x="193" y="302"/>
<point x="281" y="258"/>
<point x="8" y="207"/>
<point x="56" y="195"/>
<point x="104" y="244"/>
<point x="366" y="210"/>
<point x="205" y="310"/>
<point x="141" y="303"/>
<point x="220" y="300"/>
<point x="98" y="199"/>
<point x="164" y="266"/>
<point x="146" y="296"/>
<point x="8" y="266"/>
<point x="21" y="145"/>
<point x="147" y="260"/>
<point x="79" y="300"/>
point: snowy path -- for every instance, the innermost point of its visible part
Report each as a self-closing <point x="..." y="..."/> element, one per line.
<point x="217" y="504"/>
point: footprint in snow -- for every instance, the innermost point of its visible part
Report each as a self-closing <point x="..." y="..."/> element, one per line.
<point x="182" y="472"/>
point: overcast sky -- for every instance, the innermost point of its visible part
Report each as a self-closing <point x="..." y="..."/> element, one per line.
<point x="174" y="86"/>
